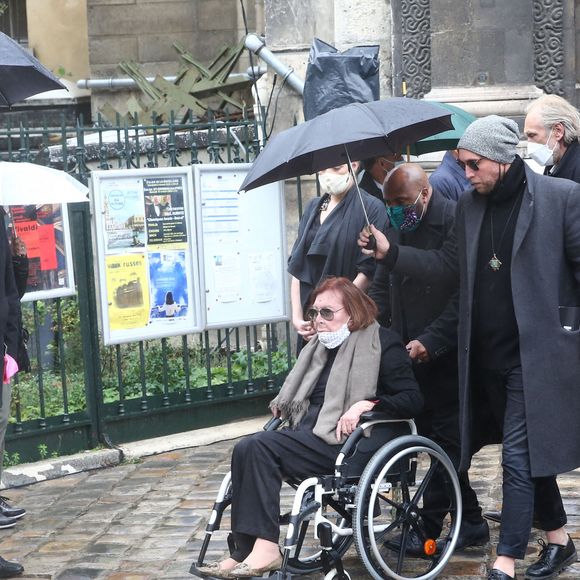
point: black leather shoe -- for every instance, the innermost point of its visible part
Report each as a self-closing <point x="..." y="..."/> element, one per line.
<point x="553" y="559"/>
<point x="493" y="517"/>
<point x="9" y="569"/>
<point x="472" y="535"/>
<point x="413" y="547"/>
<point x="496" y="517"/>
<point x="10" y="511"/>
<point x="499" y="575"/>
<point x="7" y="522"/>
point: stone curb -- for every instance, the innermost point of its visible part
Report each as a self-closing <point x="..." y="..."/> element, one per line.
<point x="27" y="473"/>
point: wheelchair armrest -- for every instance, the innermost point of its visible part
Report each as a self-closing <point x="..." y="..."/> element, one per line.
<point x="380" y="417"/>
<point x="374" y="416"/>
<point x="273" y="424"/>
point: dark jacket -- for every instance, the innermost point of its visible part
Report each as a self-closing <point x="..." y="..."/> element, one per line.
<point x="334" y="250"/>
<point x="369" y="185"/>
<point x="9" y="300"/>
<point x="545" y="274"/>
<point x="449" y="179"/>
<point x="419" y="310"/>
<point x="569" y="165"/>
<point x="397" y="391"/>
<point x="408" y="304"/>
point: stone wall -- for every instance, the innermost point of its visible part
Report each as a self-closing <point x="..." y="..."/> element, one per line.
<point x="145" y="30"/>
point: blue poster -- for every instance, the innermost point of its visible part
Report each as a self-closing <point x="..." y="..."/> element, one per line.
<point x="168" y="285"/>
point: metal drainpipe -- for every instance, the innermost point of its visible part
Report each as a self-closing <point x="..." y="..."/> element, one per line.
<point x="254" y="43"/>
<point x="128" y="83"/>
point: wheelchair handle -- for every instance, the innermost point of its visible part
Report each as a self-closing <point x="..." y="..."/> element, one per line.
<point x="273" y="424"/>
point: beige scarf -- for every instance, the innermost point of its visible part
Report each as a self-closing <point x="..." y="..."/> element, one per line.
<point x="353" y="378"/>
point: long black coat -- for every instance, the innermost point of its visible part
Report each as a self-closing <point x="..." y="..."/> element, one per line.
<point x="409" y="304"/>
<point x="420" y="310"/>
<point x="545" y="274"/>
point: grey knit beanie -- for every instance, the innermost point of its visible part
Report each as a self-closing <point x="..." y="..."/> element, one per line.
<point x="493" y="137"/>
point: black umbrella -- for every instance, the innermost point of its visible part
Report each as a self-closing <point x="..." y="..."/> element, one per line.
<point x="356" y="131"/>
<point x="22" y="75"/>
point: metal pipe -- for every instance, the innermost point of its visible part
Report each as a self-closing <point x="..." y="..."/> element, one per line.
<point x="254" y="43"/>
<point x="128" y="83"/>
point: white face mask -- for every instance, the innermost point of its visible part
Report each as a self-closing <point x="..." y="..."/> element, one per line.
<point x="541" y="153"/>
<point x="334" y="183"/>
<point x="336" y="338"/>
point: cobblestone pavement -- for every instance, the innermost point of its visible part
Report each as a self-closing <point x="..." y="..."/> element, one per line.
<point x="144" y="520"/>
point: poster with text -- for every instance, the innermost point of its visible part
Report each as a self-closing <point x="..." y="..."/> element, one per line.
<point x="43" y="231"/>
<point x="124" y="216"/>
<point x="127" y="291"/>
<point x="164" y="212"/>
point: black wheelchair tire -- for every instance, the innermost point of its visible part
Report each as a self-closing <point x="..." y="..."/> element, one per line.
<point x="377" y="468"/>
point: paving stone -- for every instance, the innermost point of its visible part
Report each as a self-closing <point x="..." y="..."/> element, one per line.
<point x="146" y="520"/>
<point x="80" y="573"/>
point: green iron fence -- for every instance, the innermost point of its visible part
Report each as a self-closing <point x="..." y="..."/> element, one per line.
<point x="82" y="394"/>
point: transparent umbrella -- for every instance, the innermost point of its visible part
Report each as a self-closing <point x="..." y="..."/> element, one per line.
<point x="29" y="184"/>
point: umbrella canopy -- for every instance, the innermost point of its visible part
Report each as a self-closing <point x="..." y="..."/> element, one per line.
<point x="29" y="184"/>
<point x="22" y="75"/>
<point x="363" y="129"/>
<point x="448" y="139"/>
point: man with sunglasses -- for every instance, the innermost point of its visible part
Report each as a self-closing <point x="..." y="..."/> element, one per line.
<point x="425" y="319"/>
<point x="517" y="253"/>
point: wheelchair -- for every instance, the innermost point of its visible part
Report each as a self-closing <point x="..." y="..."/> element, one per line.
<point x="375" y="498"/>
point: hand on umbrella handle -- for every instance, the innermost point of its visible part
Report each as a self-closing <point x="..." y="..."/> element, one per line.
<point x="379" y="248"/>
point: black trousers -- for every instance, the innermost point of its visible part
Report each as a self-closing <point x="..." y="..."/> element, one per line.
<point x="522" y="493"/>
<point x="440" y="423"/>
<point x="259" y="465"/>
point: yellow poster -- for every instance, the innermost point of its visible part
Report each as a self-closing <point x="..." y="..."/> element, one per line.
<point x="127" y="291"/>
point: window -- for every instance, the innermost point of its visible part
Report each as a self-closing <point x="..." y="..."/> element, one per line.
<point x="13" y="19"/>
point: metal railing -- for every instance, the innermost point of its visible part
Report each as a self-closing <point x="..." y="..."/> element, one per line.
<point x="81" y="394"/>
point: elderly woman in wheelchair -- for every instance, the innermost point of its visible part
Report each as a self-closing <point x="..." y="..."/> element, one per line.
<point x="352" y="366"/>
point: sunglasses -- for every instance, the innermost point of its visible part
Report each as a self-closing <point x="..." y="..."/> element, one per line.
<point x="473" y="164"/>
<point x="326" y="313"/>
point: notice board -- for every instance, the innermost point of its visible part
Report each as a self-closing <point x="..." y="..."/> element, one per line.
<point x="147" y="255"/>
<point x="242" y="245"/>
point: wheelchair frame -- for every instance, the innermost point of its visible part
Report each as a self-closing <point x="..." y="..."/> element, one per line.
<point x="357" y="505"/>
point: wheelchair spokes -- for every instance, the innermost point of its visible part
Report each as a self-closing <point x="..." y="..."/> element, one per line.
<point x="392" y="519"/>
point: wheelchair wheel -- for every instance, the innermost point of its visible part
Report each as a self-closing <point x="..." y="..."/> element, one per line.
<point x="306" y="556"/>
<point x="391" y="503"/>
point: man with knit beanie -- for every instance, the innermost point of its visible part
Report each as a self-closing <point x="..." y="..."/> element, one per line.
<point x="517" y="253"/>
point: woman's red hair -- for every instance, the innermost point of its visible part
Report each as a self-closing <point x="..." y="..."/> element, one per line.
<point x="361" y="309"/>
